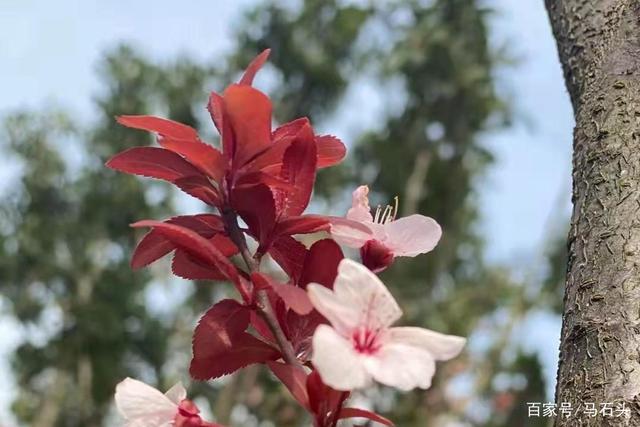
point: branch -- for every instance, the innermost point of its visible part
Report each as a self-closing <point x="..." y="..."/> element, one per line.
<point x="266" y="310"/>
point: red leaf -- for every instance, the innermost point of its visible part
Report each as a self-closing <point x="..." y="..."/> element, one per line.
<point x="194" y="244"/>
<point x="159" y="125"/>
<point x="254" y="67"/>
<point x="152" y="247"/>
<point x="331" y="150"/>
<point x="206" y="225"/>
<point x="321" y="263"/>
<point x="248" y="113"/>
<point x="155" y="245"/>
<point x="299" y="330"/>
<point x="203" y="156"/>
<point x="216" y="110"/>
<point x="185" y="266"/>
<point x="321" y="396"/>
<point x="225" y="245"/>
<point x="294" y="298"/>
<point x="289" y="254"/>
<point x="261" y="327"/>
<point x="255" y="205"/>
<point x="363" y="413"/>
<point x="152" y="162"/>
<point x="294" y="379"/>
<point x="270" y="161"/>
<point x="299" y="169"/>
<point x="304" y="224"/>
<point x="256" y="178"/>
<point x="221" y="345"/>
<point x="199" y="187"/>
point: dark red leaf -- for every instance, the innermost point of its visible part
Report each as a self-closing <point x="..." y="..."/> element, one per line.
<point x="248" y="113"/>
<point x="225" y="245"/>
<point x="294" y="379"/>
<point x="206" y="225"/>
<point x="321" y="396"/>
<point x="299" y="330"/>
<point x="270" y="161"/>
<point x="289" y="254"/>
<point x="154" y="245"/>
<point x="256" y="178"/>
<point x="304" y="224"/>
<point x="261" y="327"/>
<point x="159" y="125"/>
<point x="196" y="245"/>
<point x="331" y="150"/>
<point x="254" y="67"/>
<point x="221" y="345"/>
<point x="294" y="298"/>
<point x="185" y="266"/>
<point x="363" y="413"/>
<point x="299" y="169"/>
<point x="151" y="247"/>
<point x="321" y="264"/>
<point x="255" y="205"/>
<point x="152" y="162"/>
<point x="199" y="187"/>
<point x="203" y="156"/>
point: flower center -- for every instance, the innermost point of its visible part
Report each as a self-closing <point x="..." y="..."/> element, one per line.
<point x="365" y="341"/>
<point x="388" y="214"/>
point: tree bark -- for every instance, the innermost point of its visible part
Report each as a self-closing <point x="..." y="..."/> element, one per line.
<point x="599" y="47"/>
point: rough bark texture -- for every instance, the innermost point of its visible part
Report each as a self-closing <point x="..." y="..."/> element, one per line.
<point x="598" y="43"/>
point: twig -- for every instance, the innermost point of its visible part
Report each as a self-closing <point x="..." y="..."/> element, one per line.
<point x="266" y="310"/>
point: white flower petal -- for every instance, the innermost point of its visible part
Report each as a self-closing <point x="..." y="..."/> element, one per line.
<point x="358" y="300"/>
<point x="358" y="287"/>
<point x="401" y="366"/>
<point x="343" y="316"/>
<point x="140" y="404"/>
<point x="350" y="233"/>
<point x="440" y="346"/>
<point x="177" y="393"/>
<point x="338" y="364"/>
<point x="412" y="235"/>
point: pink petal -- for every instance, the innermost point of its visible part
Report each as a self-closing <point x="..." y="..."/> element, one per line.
<point x="337" y="362"/>
<point x="137" y="401"/>
<point x="359" y="299"/>
<point x="401" y="366"/>
<point x="412" y="235"/>
<point x="360" y="210"/>
<point x="343" y="316"/>
<point x="353" y="234"/>
<point x="440" y="346"/>
<point x="177" y="393"/>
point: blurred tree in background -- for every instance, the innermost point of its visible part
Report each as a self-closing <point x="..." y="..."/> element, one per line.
<point x="65" y="240"/>
<point x="65" y="243"/>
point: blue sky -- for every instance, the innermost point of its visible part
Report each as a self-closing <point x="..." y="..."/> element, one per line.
<point x="49" y="52"/>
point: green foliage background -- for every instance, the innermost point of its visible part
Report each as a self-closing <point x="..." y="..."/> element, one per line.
<point x="65" y="239"/>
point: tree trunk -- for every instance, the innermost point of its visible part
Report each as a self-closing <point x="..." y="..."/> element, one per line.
<point x="599" y="47"/>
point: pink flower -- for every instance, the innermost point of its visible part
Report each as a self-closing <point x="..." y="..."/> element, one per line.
<point x="383" y="237"/>
<point x="360" y="346"/>
<point x="142" y="405"/>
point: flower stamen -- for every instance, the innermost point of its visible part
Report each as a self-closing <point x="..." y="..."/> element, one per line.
<point x="388" y="214"/>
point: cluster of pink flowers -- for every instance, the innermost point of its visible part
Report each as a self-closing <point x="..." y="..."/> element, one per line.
<point x="327" y="328"/>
